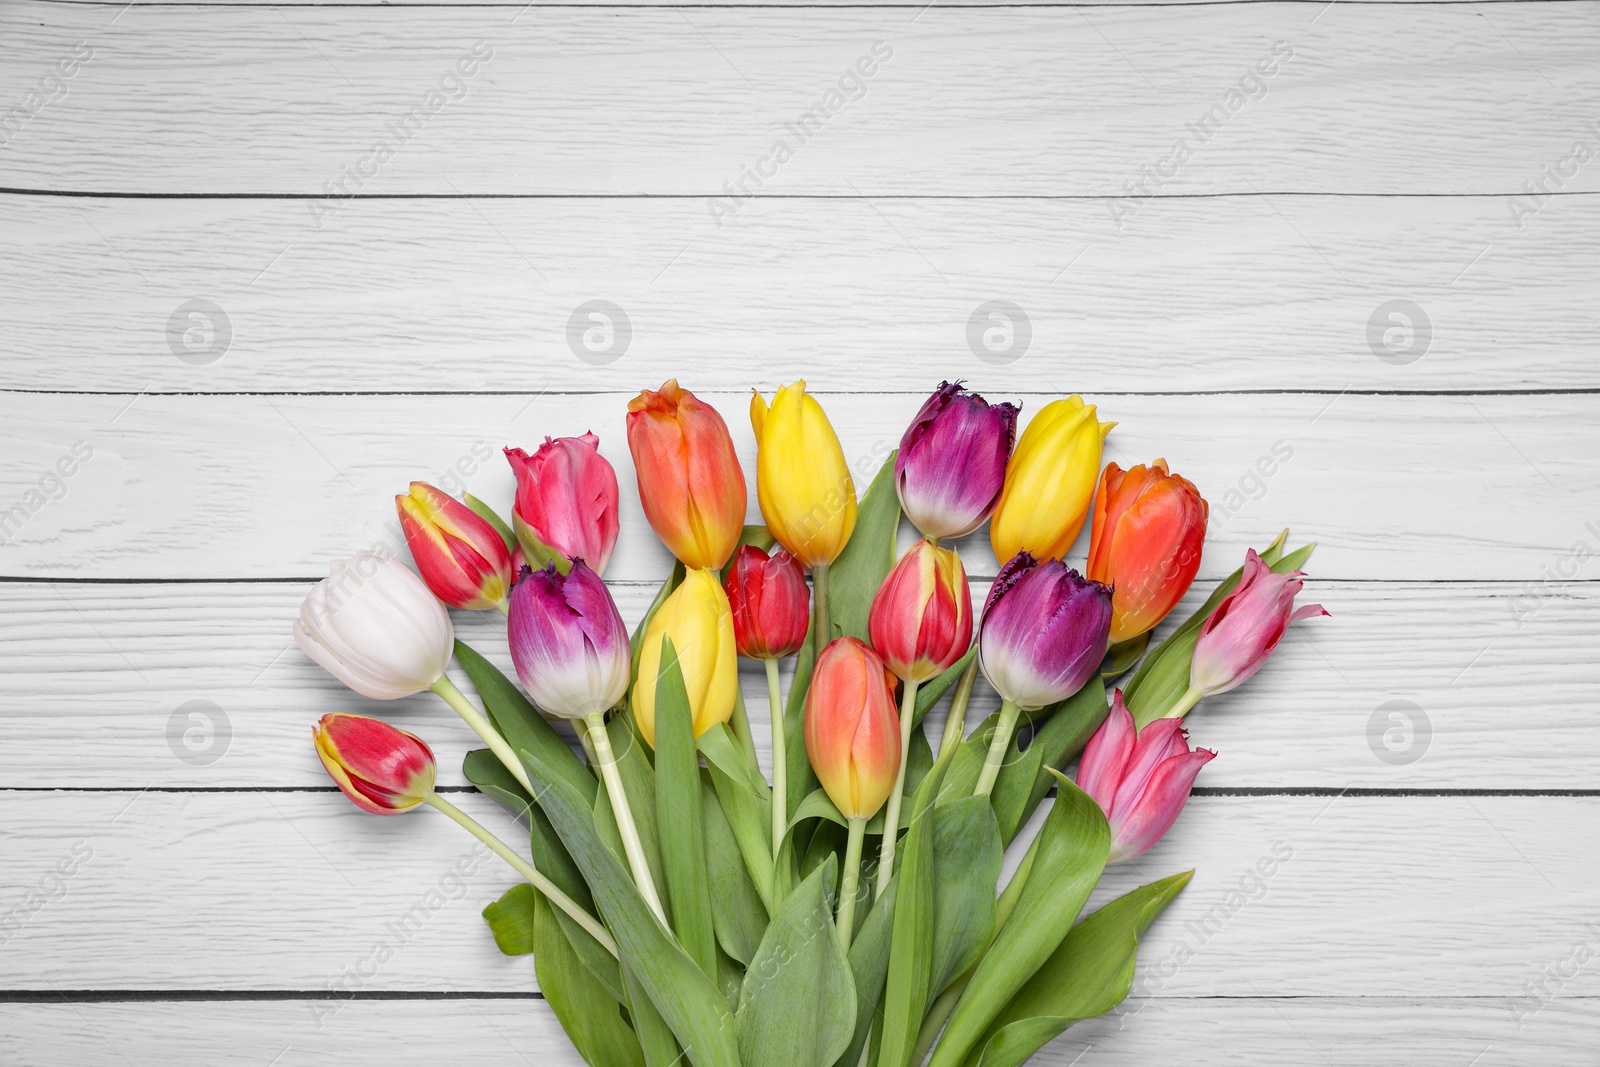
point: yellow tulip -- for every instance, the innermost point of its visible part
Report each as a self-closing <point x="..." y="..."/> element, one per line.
<point x="1049" y="482"/>
<point x="802" y="481"/>
<point x="698" y="619"/>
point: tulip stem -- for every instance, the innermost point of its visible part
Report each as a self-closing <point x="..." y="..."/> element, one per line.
<point x="581" y="728"/>
<point x="780" y="790"/>
<point x="955" y="726"/>
<point x="626" y="828"/>
<point x="891" y="814"/>
<point x="484" y="729"/>
<point x="851" y="886"/>
<point x="527" y="870"/>
<point x="997" y="748"/>
<point x="1190" y="698"/>
<point x="821" y="627"/>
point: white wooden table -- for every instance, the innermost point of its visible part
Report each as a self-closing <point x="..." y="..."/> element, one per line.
<point x="239" y="364"/>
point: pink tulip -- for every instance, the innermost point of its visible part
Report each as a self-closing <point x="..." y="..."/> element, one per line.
<point x="566" y="502"/>
<point x="1241" y="633"/>
<point x="1140" y="779"/>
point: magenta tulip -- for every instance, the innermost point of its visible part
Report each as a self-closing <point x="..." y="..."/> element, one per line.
<point x="952" y="461"/>
<point x="568" y="641"/>
<point x="1044" y="631"/>
<point x="1140" y="778"/>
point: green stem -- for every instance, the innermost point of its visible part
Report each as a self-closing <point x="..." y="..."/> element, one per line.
<point x="997" y="748"/>
<point x="891" y="815"/>
<point x="626" y="829"/>
<point x="851" y="885"/>
<point x="780" y="791"/>
<point x="581" y="728"/>
<point x="1190" y="698"/>
<point x="955" y="727"/>
<point x="484" y="729"/>
<point x="821" y="626"/>
<point x="527" y="870"/>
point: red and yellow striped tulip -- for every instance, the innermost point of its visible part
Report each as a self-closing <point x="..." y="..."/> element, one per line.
<point x="921" y="619"/>
<point x="463" y="559"/>
<point x="381" y="768"/>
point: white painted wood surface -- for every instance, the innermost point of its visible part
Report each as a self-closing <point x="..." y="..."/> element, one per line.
<point x="1435" y="909"/>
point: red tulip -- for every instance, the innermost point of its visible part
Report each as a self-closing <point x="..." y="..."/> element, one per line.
<point x="463" y="559"/>
<point x="1140" y="778"/>
<point x="1149" y="525"/>
<point x="690" y="482"/>
<point x="1236" y="639"/>
<point x="921" y="619"/>
<point x="383" y="769"/>
<point x="770" y="602"/>
<point x="566" y="503"/>
<point x="852" y="731"/>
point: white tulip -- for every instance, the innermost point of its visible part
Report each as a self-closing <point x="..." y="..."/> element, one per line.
<point x="375" y="626"/>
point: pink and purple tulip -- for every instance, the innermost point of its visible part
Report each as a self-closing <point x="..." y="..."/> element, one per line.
<point x="1044" y="631"/>
<point x="1140" y="778"/>
<point x="568" y="641"/>
<point x="952" y="461"/>
<point x="1236" y="639"/>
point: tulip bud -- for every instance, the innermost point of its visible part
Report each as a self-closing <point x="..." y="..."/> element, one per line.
<point x="802" y="482"/>
<point x="384" y="770"/>
<point x="1049" y="482"/>
<point x="1140" y="778"/>
<point x="689" y="478"/>
<point x="1145" y="543"/>
<point x="566" y="505"/>
<point x="921" y="619"/>
<point x="852" y="731"/>
<point x="952" y="461"/>
<point x="568" y="641"/>
<point x="770" y="602"/>
<point x="376" y="627"/>
<point x="700" y="622"/>
<point x="1236" y="638"/>
<point x="1044" y="631"/>
<point x="463" y="559"/>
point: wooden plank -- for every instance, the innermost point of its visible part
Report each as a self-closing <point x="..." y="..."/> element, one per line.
<point x="989" y="101"/>
<point x="1392" y="487"/>
<point x="1340" y="1032"/>
<point x="1192" y="294"/>
<point x="237" y="891"/>
<point x="122" y="664"/>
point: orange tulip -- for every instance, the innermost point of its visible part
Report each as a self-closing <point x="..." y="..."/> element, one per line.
<point x="852" y="731"/>
<point x="1149" y="525"/>
<point x="690" y="482"/>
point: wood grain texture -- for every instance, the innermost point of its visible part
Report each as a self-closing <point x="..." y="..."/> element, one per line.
<point x="476" y="295"/>
<point x="1050" y="101"/>
<point x="1353" y="1032"/>
<point x="257" y="891"/>
<point x="274" y="487"/>
<point x="121" y="663"/>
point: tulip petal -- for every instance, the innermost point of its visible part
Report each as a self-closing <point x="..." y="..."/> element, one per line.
<point x="1107" y="753"/>
<point x="1164" y="797"/>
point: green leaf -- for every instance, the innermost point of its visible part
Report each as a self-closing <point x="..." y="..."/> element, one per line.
<point x="520" y="723"/>
<point x="1023" y="783"/>
<point x="490" y="516"/>
<point x="739" y="917"/>
<point x="906" y="991"/>
<point x="966" y="866"/>
<point x="677" y="804"/>
<point x="511" y="919"/>
<point x="721" y="750"/>
<point x="854" y="577"/>
<point x="688" y="1001"/>
<point x="588" y="1013"/>
<point x="798" y="1004"/>
<point x="659" y="1047"/>
<point x="1087" y="976"/>
<point x="929" y="692"/>
<point x="1121" y="657"/>
<point x="730" y="978"/>
<point x="869" y="966"/>
<point x="1071" y="854"/>
<point x="826" y="846"/>
<point x="749" y="815"/>
<point x="1163" y="678"/>
<point x="636" y="641"/>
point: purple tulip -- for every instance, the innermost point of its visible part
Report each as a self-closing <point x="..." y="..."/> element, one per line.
<point x="568" y="641"/>
<point x="1236" y="639"/>
<point x="952" y="461"/>
<point x="1044" y="631"/>
<point x="1140" y="779"/>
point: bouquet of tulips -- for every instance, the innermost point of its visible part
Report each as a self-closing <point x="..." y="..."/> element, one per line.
<point x="681" y="907"/>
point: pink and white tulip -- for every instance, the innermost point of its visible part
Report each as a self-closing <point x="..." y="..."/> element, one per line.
<point x="1044" y="631"/>
<point x="568" y="641"/>
<point x="1236" y="639"/>
<point x="1140" y="779"/>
